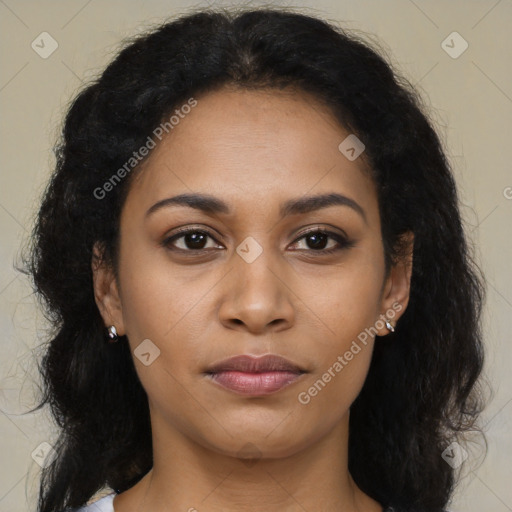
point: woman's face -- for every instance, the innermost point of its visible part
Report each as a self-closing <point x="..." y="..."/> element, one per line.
<point x="248" y="281"/>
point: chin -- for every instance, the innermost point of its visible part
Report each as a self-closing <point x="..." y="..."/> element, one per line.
<point x="253" y="444"/>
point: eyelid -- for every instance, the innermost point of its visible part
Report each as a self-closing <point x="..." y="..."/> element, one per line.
<point x="342" y="239"/>
<point x="181" y="232"/>
<point x="318" y="227"/>
<point x="191" y="228"/>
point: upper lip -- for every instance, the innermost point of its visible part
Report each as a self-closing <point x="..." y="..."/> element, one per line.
<point x="255" y="364"/>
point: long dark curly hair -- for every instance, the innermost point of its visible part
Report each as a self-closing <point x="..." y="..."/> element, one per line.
<point x="423" y="391"/>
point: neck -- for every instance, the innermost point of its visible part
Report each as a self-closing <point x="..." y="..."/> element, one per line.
<point x="188" y="476"/>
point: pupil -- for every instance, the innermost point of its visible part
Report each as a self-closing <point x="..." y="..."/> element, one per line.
<point x="194" y="238"/>
<point x="318" y="240"/>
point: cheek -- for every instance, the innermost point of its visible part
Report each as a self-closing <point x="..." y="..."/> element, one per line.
<point x="346" y="302"/>
<point x="327" y="397"/>
<point x="343" y="355"/>
<point x="155" y="294"/>
<point x="348" y="306"/>
<point x="161" y="303"/>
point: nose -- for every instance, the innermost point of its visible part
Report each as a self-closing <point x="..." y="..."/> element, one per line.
<point x="256" y="296"/>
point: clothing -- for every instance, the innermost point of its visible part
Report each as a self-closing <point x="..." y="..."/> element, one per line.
<point x="106" y="504"/>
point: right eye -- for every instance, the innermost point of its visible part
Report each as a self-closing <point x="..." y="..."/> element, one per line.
<point x="192" y="240"/>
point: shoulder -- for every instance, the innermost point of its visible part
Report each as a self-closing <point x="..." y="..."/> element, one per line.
<point x="104" y="504"/>
<point x="395" y="509"/>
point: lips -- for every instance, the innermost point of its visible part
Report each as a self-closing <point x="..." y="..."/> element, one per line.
<point x="252" y="364"/>
<point x="255" y="376"/>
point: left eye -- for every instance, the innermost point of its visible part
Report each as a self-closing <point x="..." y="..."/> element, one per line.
<point x="195" y="240"/>
<point x="318" y="239"/>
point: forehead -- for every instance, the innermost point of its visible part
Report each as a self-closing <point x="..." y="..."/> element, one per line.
<point x="253" y="147"/>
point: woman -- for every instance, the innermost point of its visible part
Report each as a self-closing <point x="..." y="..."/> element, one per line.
<point x="263" y="298"/>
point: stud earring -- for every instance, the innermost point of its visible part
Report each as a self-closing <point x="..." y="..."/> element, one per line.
<point x="112" y="334"/>
<point x="389" y="326"/>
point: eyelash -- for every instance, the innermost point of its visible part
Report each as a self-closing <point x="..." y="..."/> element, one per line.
<point x="343" y="242"/>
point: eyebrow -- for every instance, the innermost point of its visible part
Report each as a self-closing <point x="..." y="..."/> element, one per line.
<point x="212" y="205"/>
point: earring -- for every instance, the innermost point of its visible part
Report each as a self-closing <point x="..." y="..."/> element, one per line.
<point x="389" y="326"/>
<point x="112" y="334"/>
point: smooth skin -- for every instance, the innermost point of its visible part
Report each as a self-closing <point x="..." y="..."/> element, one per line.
<point x="200" y="302"/>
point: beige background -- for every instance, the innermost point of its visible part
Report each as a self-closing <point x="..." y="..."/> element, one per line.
<point x="471" y="102"/>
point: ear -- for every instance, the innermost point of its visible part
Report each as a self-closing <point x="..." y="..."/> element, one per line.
<point x="106" y="291"/>
<point x="396" y="289"/>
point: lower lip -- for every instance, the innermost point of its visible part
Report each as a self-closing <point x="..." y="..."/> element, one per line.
<point x="255" y="384"/>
